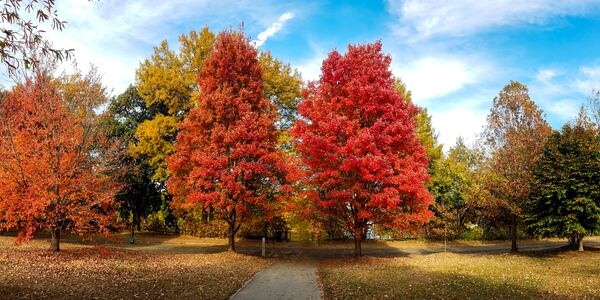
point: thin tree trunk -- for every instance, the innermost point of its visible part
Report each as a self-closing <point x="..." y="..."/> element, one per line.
<point x="572" y="241"/>
<point x="137" y="220"/>
<point x="131" y="234"/>
<point x="513" y="233"/>
<point x="55" y="240"/>
<point x="580" y="242"/>
<point x="231" y="237"/>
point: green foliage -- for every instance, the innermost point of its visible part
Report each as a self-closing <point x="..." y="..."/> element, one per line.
<point x="472" y="233"/>
<point x="566" y="189"/>
<point x="424" y="130"/>
<point x="281" y="85"/>
<point x="139" y="195"/>
<point x="157" y="222"/>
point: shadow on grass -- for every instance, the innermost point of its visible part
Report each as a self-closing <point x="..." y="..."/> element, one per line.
<point x="364" y="279"/>
<point x="409" y="283"/>
<point x="175" y="244"/>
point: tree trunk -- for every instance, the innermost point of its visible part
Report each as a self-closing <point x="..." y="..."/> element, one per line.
<point x="357" y="246"/>
<point x="131" y="234"/>
<point x="580" y="242"/>
<point x="574" y="241"/>
<point x="513" y="232"/>
<point x="55" y="240"/>
<point x="137" y="220"/>
<point x="231" y="237"/>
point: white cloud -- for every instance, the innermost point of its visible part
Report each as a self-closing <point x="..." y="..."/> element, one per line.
<point x="560" y="93"/>
<point x="116" y="35"/>
<point x="426" y="18"/>
<point x="310" y="68"/>
<point x="262" y="37"/>
<point x="566" y="109"/>
<point x="546" y="75"/>
<point x="431" y="77"/>
<point x="588" y="79"/>
<point x="459" y="121"/>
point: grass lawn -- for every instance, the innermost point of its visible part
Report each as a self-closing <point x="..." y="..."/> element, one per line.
<point x="184" y="267"/>
<point x="465" y="276"/>
<point x="88" y="272"/>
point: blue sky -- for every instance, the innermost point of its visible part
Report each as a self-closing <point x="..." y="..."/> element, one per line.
<point x="455" y="56"/>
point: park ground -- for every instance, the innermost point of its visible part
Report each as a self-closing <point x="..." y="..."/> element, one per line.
<point x="183" y="267"/>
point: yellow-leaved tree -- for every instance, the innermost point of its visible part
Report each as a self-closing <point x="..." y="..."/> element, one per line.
<point x="167" y="83"/>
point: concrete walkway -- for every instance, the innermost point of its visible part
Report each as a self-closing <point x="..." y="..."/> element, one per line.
<point x="283" y="280"/>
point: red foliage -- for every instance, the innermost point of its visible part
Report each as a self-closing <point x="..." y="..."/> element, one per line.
<point x="225" y="154"/>
<point x="51" y="173"/>
<point x="358" y="142"/>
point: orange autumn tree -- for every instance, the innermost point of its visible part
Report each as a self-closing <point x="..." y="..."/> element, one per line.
<point x="225" y="154"/>
<point x="52" y="167"/>
<point x="358" y="142"/>
<point x="515" y="134"/>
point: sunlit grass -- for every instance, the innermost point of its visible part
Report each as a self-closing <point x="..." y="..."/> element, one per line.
<point x="465" y="276"/>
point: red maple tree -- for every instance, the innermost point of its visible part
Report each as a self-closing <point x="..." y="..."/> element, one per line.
<point x="357" y="138"/>
<point x="52" y="168"/>
<point x="225" y="155"/>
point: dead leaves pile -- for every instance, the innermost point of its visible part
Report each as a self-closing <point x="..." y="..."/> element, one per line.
<point x="95" y="273"/>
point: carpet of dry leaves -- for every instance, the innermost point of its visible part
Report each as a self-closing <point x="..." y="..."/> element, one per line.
<point x="561" y="275"/>
<point x="30" y="271"/>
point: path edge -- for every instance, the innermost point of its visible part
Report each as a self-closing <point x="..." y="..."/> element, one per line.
<point x="247" y="282"/>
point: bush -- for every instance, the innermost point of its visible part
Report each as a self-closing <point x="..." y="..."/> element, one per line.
<point x="472" y="232"/>
<point x="159" y="222"/>
<point x="192" y="224"/>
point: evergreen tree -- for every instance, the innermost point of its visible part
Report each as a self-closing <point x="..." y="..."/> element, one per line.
<point x="566" y="189"/>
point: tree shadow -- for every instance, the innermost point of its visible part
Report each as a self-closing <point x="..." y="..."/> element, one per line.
<point x="176" y="244"/>
<point x="363" y="278"/>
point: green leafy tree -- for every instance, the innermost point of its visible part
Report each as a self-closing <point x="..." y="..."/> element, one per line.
<point x="425" y="130"/>
<point x="566" y="193"/>
<point x="440" y="182"/>
<point x="139" y="194"/>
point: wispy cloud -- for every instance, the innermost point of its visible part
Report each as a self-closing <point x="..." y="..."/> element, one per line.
<point x="560" y="92"/>
<point x="310" y="67"/>
<point x="430" y="77"/>
<point x="421" y="19"/>
<point x="262" y="37"/>
<point x="116" y="35"/>
<point x="588" y="79"/>
<point x="545" y="75"/>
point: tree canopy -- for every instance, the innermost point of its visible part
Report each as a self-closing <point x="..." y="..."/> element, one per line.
<point x="357" y="138"/>
<point x="53" y="175"/>
<point x="566" y="189"/>
<point x="225" y="156"/>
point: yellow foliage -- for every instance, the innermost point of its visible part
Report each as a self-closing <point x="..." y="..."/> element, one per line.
<point x="167" y="82"/>
<point x="154" y="142"/>
<point x="281" y="85"/>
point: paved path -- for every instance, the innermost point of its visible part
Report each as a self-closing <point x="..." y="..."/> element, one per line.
<point x="283" y="280"/>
